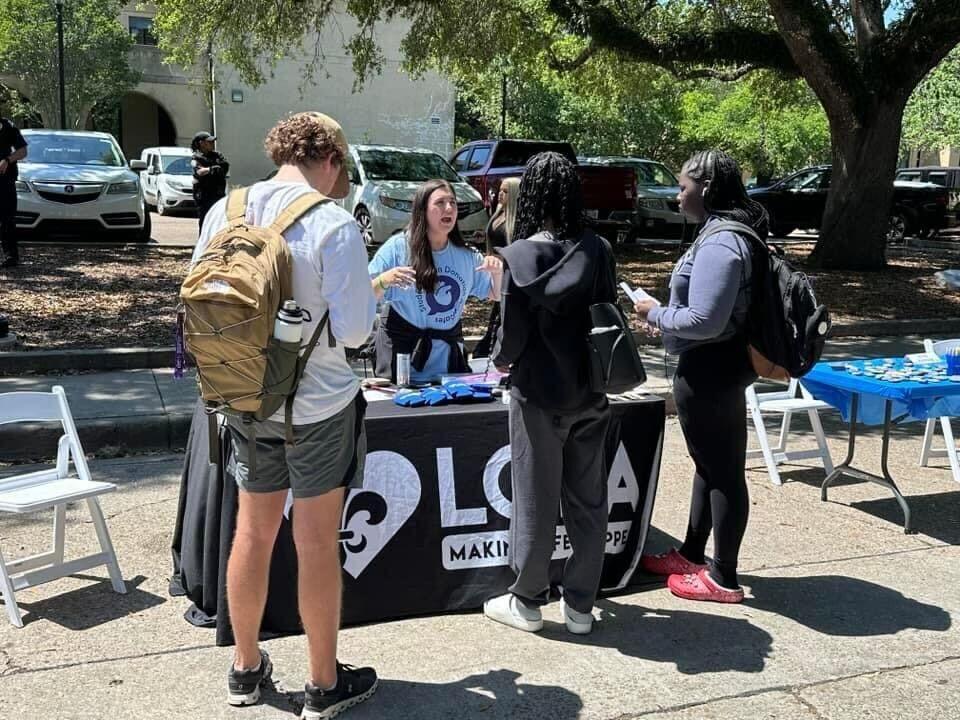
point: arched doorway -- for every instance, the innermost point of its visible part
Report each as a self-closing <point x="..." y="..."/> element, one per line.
<point x="137" y="121"/>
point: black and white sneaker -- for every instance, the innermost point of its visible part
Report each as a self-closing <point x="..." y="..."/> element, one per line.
<point x="354" y="685"/>
<point x="243" y="686"/>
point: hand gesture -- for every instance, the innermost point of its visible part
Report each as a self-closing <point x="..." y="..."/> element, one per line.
<point x="401" y="277"/>
<point x="492" y="265"/>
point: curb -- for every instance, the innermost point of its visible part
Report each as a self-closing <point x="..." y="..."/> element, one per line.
<point x="14" y="363"/>
<point x="99" y="436"/>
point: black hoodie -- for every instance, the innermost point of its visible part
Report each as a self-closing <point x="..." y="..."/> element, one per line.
<point x="548" y="288"/>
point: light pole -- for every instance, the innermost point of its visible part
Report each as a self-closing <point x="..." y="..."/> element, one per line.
<point x="63" y="101"/>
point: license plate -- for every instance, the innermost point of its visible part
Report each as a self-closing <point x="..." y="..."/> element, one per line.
<point x="592" y="214"/>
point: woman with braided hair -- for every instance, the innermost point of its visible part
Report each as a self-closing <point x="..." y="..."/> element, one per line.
<point x="554" y="272"/>
<point x="704" y="323"/>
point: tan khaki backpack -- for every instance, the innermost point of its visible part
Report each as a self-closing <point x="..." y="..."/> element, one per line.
<point x="230" y="300"/>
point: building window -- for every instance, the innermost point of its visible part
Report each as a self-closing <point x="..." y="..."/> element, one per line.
<point x="142" y="30"/>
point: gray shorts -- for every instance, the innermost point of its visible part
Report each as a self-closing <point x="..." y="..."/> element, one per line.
<point x="327" y="455"/>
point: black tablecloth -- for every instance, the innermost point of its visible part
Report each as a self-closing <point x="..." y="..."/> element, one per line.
<point x="427" y="532"/>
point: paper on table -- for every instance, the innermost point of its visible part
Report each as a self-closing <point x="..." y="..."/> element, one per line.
<point x="638" y="294"/>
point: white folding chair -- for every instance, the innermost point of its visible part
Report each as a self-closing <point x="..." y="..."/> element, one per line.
<point x="45" y="489"/>
<point x="949" y="450"/>
<point x="786" y="403"/>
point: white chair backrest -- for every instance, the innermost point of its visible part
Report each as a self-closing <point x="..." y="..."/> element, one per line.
<point x="48" y="407"/>
<point x="29" y="407"/>
<point x="940" y="347"/>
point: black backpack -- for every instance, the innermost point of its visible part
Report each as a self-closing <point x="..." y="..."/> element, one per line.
<point x="786" y="326"/>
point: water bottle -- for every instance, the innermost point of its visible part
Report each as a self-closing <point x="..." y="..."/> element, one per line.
<point x="403" y="369"/>
<point x="288" y="327"/>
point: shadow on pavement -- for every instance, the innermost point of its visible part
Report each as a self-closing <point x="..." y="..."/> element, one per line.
<point x="496" y="694"/>
<point x="843" y="606"/>
<point x="936" y="515"/>
<point x="694" y="642"/>
<point x="92" y="605"/>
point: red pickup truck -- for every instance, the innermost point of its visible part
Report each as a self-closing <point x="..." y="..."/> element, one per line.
<point x="606" y="190"/>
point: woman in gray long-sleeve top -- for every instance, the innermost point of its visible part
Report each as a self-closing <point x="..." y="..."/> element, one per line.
<point x="704" y="323"/>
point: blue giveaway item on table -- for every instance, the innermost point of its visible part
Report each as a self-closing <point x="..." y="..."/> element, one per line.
<point x="434" y="395"/>
<point x="409" y="398"/>
<point x="952" y="358"/>
<point x="462" y="392"/>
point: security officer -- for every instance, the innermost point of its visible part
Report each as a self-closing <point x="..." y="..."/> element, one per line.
<point x="209" y="173"/>
<point x="12" y="148"/>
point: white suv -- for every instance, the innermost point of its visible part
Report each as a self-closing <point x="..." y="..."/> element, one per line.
<point x="79" y="182"/>
<point x="168" y="180"/>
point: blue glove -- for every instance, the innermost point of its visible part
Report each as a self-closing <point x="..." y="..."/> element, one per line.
<point x="457" y="389"/>
<point x="409" y="398"/>
<point x="435" y="396"/>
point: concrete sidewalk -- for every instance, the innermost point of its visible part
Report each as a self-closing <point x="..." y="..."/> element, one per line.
<point x="846" y="618"/>
<point x="148" y="410"/>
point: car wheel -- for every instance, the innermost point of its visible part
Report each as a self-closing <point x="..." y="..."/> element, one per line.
<point x="161" y="210"/>
<point x="362" y="216"/>
<point x="143" y="235"/>
<point x="897" y="228"/>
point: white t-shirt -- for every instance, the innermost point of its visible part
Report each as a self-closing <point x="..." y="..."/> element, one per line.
<point x="329" y="271"/>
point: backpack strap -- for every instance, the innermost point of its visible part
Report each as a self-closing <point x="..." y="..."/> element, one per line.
<point x="237" y="205"/>
<point x="301" y="365"/>
<point x="295" y="210"/>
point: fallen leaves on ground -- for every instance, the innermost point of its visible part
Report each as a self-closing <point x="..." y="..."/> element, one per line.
<point x="101" y="297"/>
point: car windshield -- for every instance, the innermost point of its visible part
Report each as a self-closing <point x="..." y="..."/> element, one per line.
<point x="73" y="150"/>
<point x="409" y="166"/>
<point x="177" y="165"/>
<point x="655" y="175"/>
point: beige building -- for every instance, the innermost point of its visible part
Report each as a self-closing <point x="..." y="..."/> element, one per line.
<point x="170" y="104"/>
<point x="920" y="158"/>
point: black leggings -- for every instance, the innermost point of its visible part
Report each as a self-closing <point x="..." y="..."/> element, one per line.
<point x="709" y="393"/>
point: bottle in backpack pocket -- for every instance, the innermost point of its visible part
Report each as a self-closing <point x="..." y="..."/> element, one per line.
<point x="288" y="327"/>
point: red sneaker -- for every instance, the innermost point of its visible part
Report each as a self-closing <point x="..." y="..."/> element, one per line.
<point x="700" y="586"/>
<point x="669" y="563"/>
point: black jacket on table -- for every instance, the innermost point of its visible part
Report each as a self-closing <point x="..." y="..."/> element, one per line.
<point x="548" y="287"/>
<point x="210" y="187"/>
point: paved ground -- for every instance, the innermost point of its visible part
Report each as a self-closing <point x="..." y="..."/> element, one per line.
<point x="847" y="617"/>
<point x="179" y="230"/>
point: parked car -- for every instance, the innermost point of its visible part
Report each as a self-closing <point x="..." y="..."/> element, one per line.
<point x="948" y="177"/>
<point x="798" y="201"/>
<point x="657" y="211"/>
<point x="168" y="180"/>
<point x="79" y="182"/>
<point x="383" y="181"/>
<point x="606" y="189"/>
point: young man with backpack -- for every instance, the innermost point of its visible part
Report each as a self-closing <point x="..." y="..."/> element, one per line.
<point x="316" y="444"/>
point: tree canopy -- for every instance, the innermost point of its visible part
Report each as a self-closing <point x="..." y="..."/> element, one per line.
<point x="95" y="55"/>
<point x="861" y="58"/>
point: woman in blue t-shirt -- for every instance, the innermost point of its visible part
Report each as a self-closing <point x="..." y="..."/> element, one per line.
<point x="426" y="275"/>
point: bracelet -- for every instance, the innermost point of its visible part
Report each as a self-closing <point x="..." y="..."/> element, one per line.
<point x="380" y="282"/>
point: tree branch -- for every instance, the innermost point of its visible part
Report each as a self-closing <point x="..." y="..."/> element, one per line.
<point x="868" y="24"/>
<point x="826" y="63"/>
<point x="732" y="45"/>
<point x="916" y="44"/>
<point x="568" y="64"/>
<point x="713" y="74"/>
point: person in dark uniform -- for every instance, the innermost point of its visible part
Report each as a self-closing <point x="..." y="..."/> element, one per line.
<point x="12" y="148"/>
<point x="209" y="174"/>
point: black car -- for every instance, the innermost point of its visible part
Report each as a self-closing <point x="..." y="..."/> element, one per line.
<point x="798" y="201"/>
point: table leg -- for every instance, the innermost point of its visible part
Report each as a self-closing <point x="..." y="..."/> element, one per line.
<point x="840" y="469"/>
<point x="885" y="480"/>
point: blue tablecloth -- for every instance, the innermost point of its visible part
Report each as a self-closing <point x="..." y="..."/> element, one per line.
<point x="912" y="400"/>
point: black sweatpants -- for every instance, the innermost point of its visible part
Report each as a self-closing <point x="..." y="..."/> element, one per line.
<point x="709" y="393"/>
<point x="8" y="228"/>
<point x="557" y="463"/>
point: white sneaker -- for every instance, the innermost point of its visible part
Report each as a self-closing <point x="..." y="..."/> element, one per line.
<point x="577" y="622"/>
<point x="507" y="609"/>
